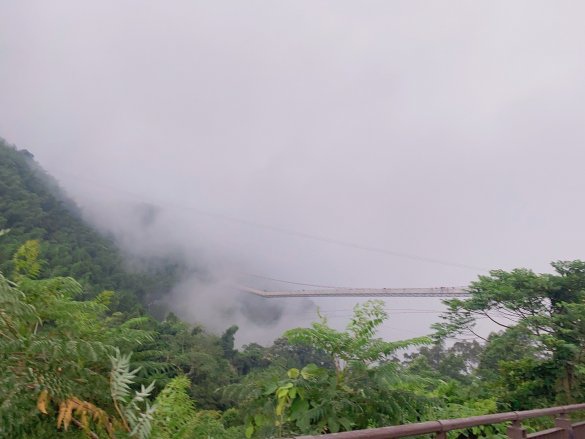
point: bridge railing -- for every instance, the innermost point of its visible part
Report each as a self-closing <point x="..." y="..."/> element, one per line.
<point x="564" y="428"/>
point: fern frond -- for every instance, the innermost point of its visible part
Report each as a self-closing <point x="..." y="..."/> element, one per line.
<point x="121" y="377"/>
<point x="14" y="311"/>
<point x="175" y="409"/>
<point x="137" y="420"/>
<point x="143" y="423"/>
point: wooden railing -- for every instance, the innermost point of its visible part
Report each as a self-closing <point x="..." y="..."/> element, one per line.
<point x="564" y="428"/>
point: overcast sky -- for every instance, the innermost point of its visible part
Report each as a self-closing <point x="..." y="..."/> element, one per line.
<point x="451" y="131"/>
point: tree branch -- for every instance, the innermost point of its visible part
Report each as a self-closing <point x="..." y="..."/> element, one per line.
<point x="477" y="335"/>
<point x="496" y="322"/>
<point x="91" y="434"/>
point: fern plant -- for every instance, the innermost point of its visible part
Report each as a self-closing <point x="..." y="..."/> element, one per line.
<point x="133" y="407"/>
<point x="54" y="350"/>
<point x="175" y="409"/>
<point x="26" y="260"/>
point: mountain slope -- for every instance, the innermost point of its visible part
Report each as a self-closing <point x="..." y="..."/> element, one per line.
<point x="32" y="206"/>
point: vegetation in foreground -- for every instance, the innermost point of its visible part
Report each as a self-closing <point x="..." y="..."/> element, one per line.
<point x="75" y="368"/>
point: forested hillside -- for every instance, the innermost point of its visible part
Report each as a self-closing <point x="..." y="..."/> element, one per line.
<point x="81" y="358"/>
<point x="32" y="206"/>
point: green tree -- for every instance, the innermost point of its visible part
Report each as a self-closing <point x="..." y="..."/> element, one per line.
<point x="252" y="356"/>
<point x="358" y="345"/>
<point x="289" y="355"/>
<point x="364" y="388"/>
<point x="227" y="342"/>
<point x="26" y="260"/>
<point x="456" y="362"/>
<point x="179" y="349"/>
<point x="544" y="313"/>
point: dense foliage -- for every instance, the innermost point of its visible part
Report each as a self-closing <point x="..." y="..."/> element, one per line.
<point x="537" y="358"/>
<point x="80" y="358"/>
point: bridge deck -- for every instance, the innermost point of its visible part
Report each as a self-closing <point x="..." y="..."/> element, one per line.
<point x="363" y="292"/>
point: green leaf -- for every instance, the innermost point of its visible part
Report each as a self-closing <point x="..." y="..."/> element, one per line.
<point x="299" y="408"/>
<point x="270" y="389"/>
<point x="333" y="425"/>
<point x="312" y="371"/>
<point x="280" y="407"/>
<point x="259" y="419"/>
<point x="346" y="423"/>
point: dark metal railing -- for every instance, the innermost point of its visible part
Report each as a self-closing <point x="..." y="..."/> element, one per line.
<point x="564" y="428"/>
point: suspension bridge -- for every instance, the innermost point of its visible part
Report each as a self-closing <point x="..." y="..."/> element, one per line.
<point x="361" y="292"/>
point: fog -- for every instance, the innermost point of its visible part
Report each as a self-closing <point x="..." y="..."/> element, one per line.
<point x="353" y="144"/>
